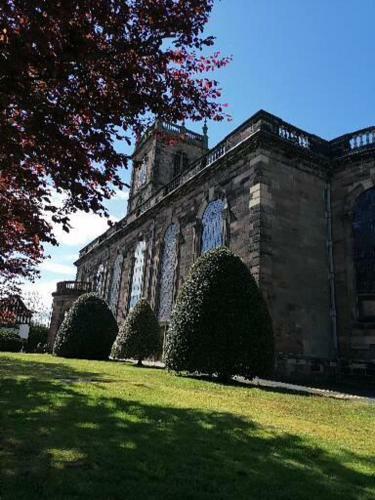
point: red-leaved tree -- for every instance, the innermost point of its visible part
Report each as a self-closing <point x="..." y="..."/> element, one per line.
<point x="76" y="75"/>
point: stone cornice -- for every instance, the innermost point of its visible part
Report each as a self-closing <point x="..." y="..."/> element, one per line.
<point x="262" y="129"/>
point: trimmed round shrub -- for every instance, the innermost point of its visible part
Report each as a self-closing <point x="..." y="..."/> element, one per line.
<point x="220" y="324"/>
<point x="88" y="330"/>
<point x="139" y="336"/>
<point x="10" y="341"/>
<point x="37" y="341"/>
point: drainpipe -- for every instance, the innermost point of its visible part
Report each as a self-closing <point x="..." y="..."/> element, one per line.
<point x="331" y="270"/>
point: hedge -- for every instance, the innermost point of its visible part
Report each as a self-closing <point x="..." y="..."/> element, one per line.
<point x="139" y="337"/>
<point x="37" y="341"/>
<point x="220" y="324"/>
<point x="88" y="330"/>
<point x="10" y="341"/>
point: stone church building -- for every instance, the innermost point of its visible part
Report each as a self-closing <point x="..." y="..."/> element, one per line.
<point x="298" y="209"/>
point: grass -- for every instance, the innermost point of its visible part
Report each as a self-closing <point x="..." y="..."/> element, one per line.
<point x="82" y="429"/>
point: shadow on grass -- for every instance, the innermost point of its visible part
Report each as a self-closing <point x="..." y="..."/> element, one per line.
<point x="57" y="442"/>
<point x="249" y="385"/>
<point x="52" y="371"/>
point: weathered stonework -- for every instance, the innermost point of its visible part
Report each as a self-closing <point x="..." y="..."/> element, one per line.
<point x="287" y="199"/>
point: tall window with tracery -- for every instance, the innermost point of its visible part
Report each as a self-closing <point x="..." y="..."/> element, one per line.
<point x="115" y="284"/>
<point x="100" y="280"/>
<point x="138" y="272"/>
<point x="168" y="270"/>
<point x="212" y="226"/>
<point x="180" y="163"/>
<point x="364" y="241"/>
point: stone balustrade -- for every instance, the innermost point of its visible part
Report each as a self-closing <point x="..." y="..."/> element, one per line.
<point x="173" y="129"/>
<point x="362" y="139"/>
<point x="260" y="122"/>
<point x="180" y="130"/>
<point x="353" y="143"/>
<point x="291" y="134"/>
<point x="69" y="287"/>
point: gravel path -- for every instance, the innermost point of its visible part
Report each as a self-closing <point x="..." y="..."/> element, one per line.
<point x="288" y="387"/>
<point x="303" y="389"/>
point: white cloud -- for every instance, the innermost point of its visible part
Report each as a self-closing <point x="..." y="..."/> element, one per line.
<point x="120" y="195"/>
<point x="44" y="289"/>
<point x="85" y="227"/>
<point x="54" y="267"/>
<point x="69" y="257"/>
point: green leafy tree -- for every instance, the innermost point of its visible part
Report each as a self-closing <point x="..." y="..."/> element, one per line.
<point x="88" y="330"/>
<point x="220" y="324"/>
<point x="75" y="76"/>
<point x="37" y="340"/>
<point x="139" y="336"/>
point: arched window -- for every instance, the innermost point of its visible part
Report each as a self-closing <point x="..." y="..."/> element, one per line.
<point x="115" y="284"/>
<point x="167" y="277"/>
<point x="138" y="272"/>
<point x="143" y="171"/>
<point x="212" y="222"/>
<point x="100" y="280"/>
<point x="92" y="281"/>
<point x="180" y="163"/>
<point x="364" y="241"/>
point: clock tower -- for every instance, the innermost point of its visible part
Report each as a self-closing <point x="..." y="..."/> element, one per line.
<point x="163" y="153"/>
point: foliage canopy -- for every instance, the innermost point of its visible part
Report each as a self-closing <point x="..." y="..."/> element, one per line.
<point x="10" y="340"/>
<point x="88" y="330"/>
<point x="76" y="76"/>
<point x="139" y="336"/>
<point x="220" y="324"/>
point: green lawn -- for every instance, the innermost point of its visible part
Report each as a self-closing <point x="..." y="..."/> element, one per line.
<point x="82" y="429"/>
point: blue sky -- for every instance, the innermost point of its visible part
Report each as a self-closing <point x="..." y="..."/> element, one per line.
<point x="308" y="61"/>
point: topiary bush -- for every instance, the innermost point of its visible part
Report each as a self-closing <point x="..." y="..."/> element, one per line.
<point x="37" y="341"/>
<point x="88" y="330"/>
<point x="220" y="324"/>
<point x="10" y="341"/>
<point x="139" y="337"/>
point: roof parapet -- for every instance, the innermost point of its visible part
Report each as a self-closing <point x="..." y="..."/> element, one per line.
<point x="352" y="143"/>
<point x="174" y="130"/>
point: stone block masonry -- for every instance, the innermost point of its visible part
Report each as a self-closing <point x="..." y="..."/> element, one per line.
<point x="284" y="202"/>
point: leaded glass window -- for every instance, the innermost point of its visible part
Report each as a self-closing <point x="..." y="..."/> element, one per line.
<point x="115" y="284"/>
<point x="212" y="222"/>
<point x="364" y="241"/>
<point x="143" y="171"/>
<point x="180" y="163"/>
<point x="100" y="280"/>
<point x="138" y="271"/>
<point x="168" y="268"/>
<point x="92" y="280"/>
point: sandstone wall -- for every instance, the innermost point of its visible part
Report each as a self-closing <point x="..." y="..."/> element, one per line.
<point x="275" y="220"/>
<point x="289" y="201"/>
<point x="356" y="335"/>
